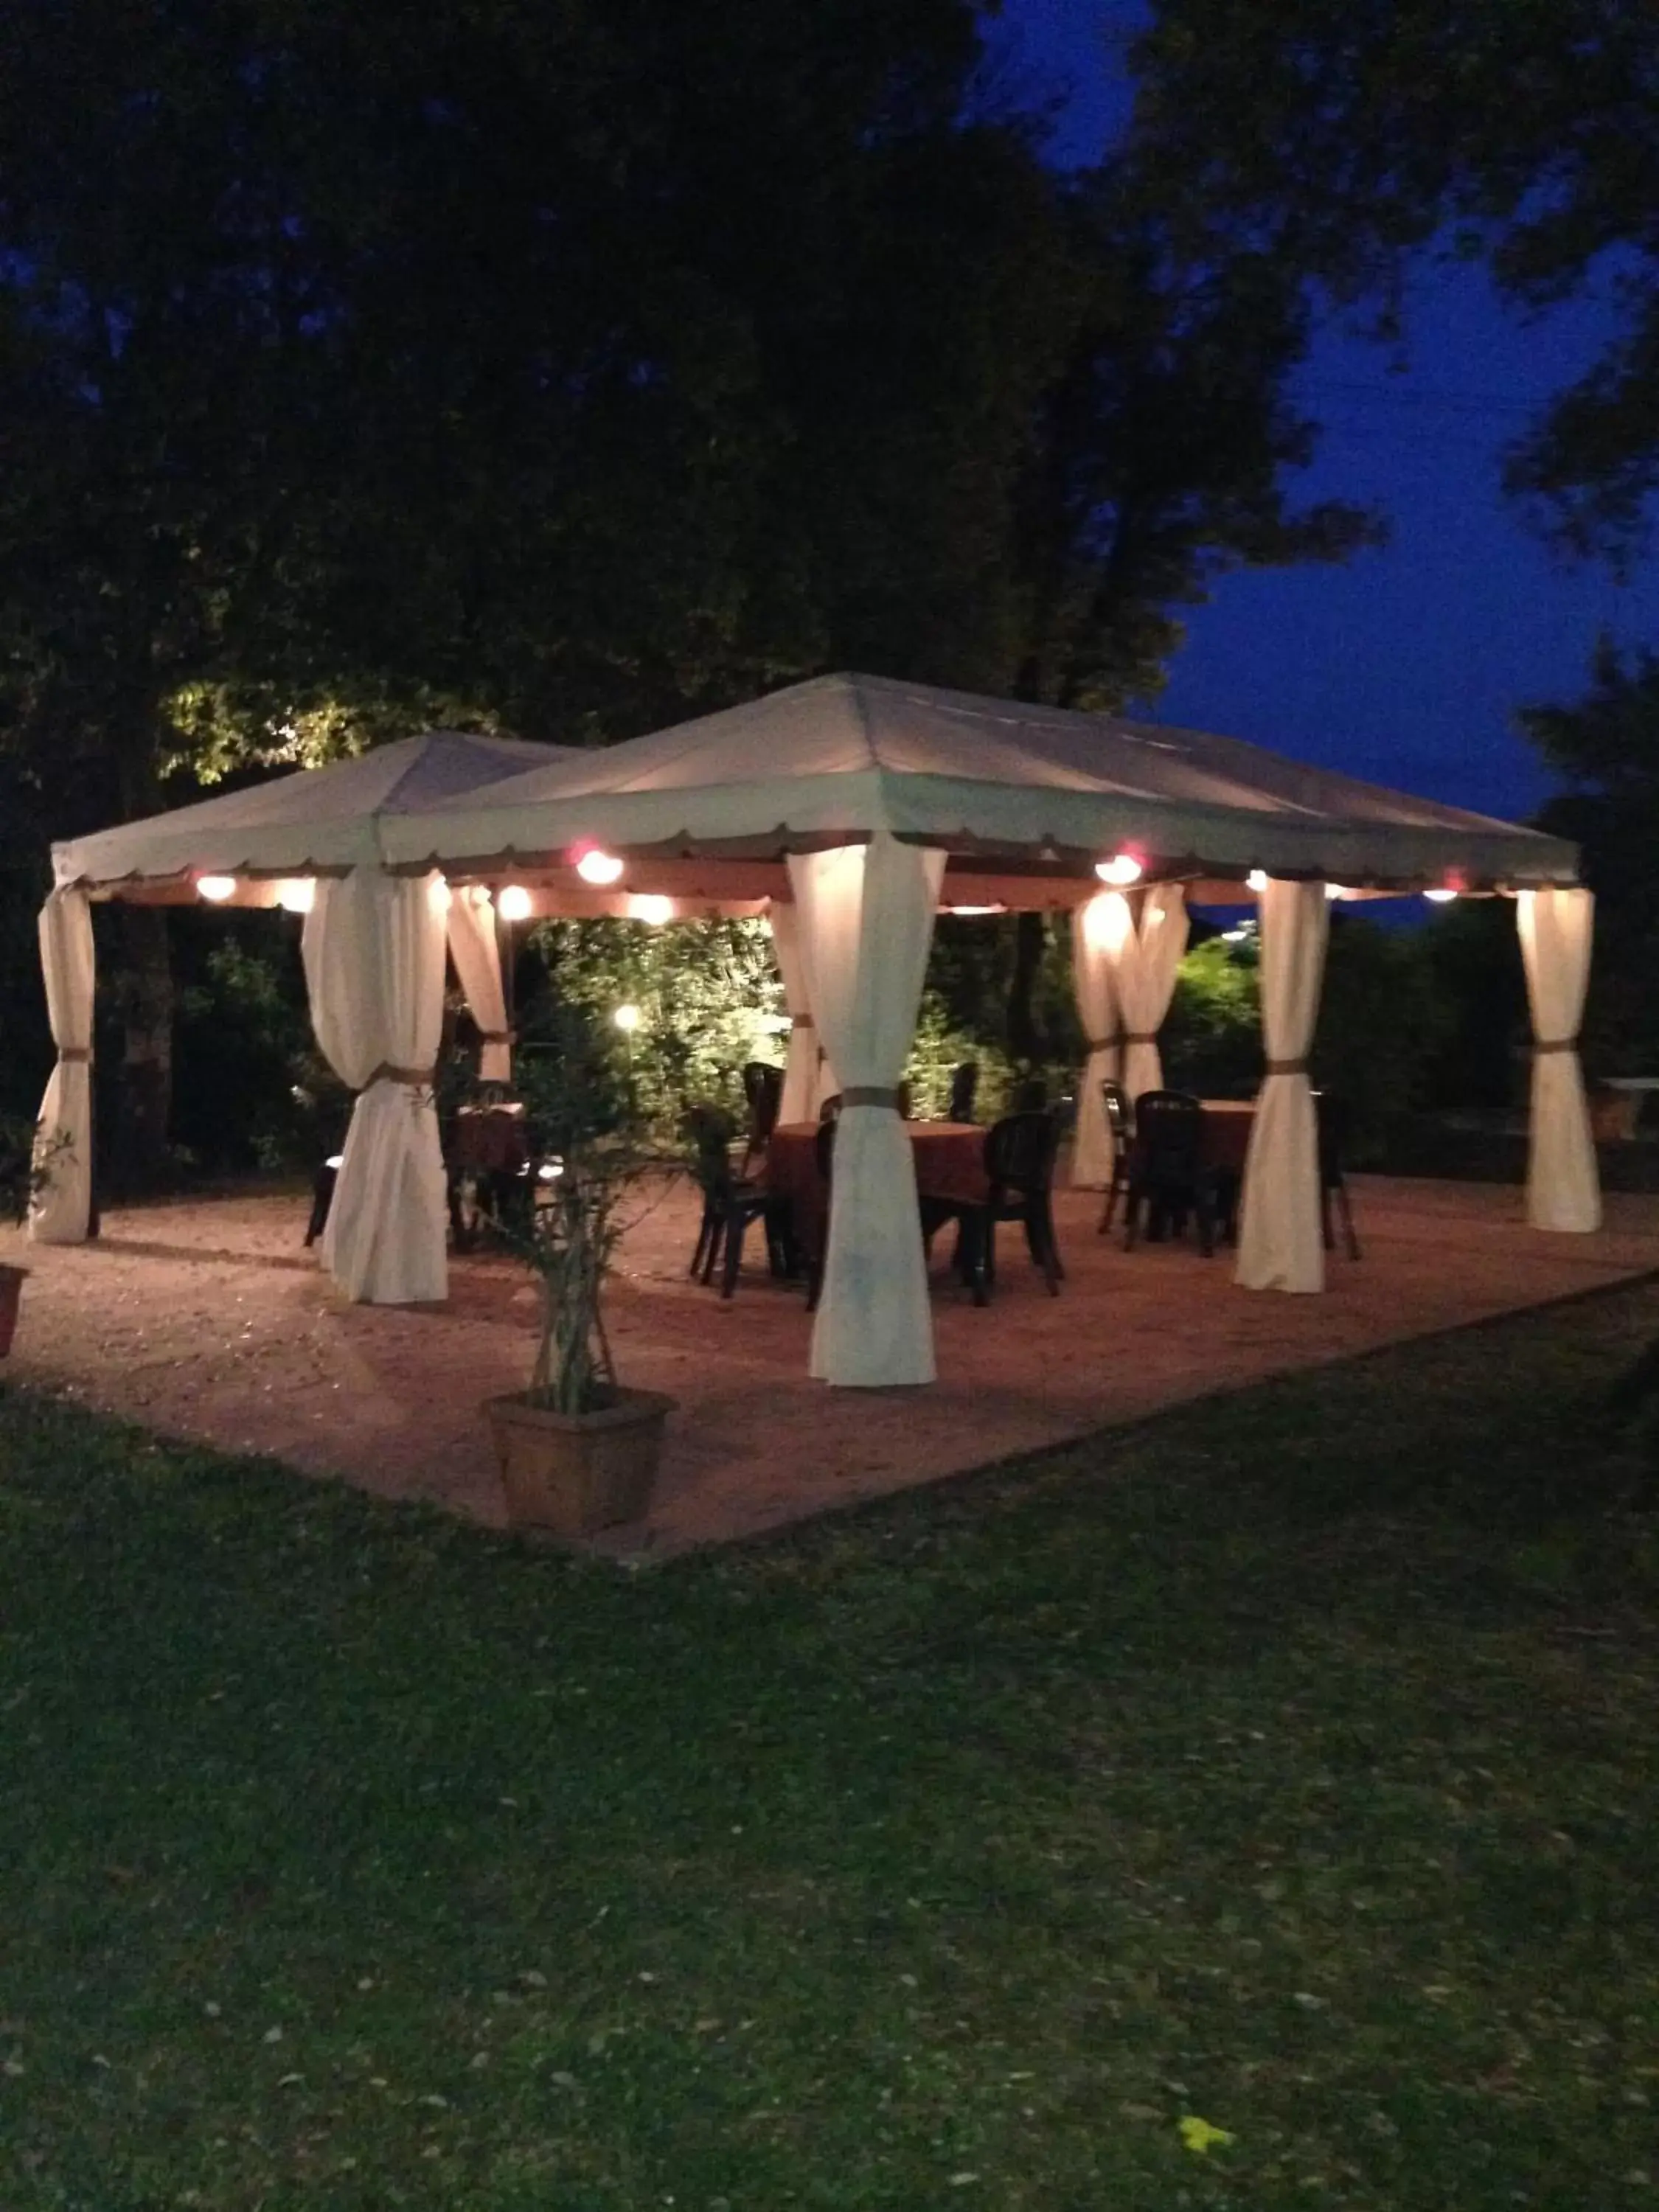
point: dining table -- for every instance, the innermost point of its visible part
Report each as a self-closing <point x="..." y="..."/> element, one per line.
<point x="1226" y="1134"/>
<point x="949" y="1157"/>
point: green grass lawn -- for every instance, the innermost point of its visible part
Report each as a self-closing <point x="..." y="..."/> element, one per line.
<point x="1287" y="1764"/>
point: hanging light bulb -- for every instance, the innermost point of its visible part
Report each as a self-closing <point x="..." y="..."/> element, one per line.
<point x="1122" y="869"/>
<point x="646" y="906"/>
<point x="1441" y="896"/>
<point x="627" y="1019"/>
<point x="513" y="902"/>
<point x="298" y="897"/>
<point x="596" y="866"/>
<point x="1256" y="880"/>
<point x="216" y="888"/>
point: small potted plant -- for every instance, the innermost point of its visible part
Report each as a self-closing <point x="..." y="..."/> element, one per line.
<point x="25" y="1172"/>
<point x="577" y="1450"/>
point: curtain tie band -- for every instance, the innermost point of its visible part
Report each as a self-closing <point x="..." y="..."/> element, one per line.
<point x="801" y="1022"/>
<point x="1140" y="1036"/>
<point x="75" y="1055"/>
<point x="417" y="1079"/>
<point x="1556" y="1044"/>
<point x="869" y="1094"/>
<point x="1106" y="1043"/>
<point x="1286" y="1067"/>
<point x="497" y="1037"/>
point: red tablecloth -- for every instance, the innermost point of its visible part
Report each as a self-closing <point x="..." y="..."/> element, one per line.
<point x="950" y="1160"/>
<point x="1227" y="1123"/>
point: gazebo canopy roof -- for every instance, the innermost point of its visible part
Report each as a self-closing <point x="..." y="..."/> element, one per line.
<point x="321" y="818"/>
<point x="993" y="781"/>
<point x="1014" y="794"/>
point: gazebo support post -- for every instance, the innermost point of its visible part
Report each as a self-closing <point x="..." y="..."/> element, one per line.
<point x="805" y="1078"/>
<point x="62" y="1211"/>
<point x="374" y="951"/>
<point x="1556" y="927"/>
<point x="1093" y="924"/>
<point x="865" y="916"/>
<point x="1279" y="1246"/>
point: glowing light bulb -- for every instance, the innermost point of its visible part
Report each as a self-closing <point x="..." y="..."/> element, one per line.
<point x="1441" y="896"/>
<point x="1336" y="891"/>
<point x="646" y="906"/>
<point x="1122" y="868"/>
<point x="1256" y="880"/>
<point x="513" y="902"/>
<point x="627" y="1019"/>
<point x="298" y="897"/>
<point x="216" y="887"/>
<point x="595" y="866"/>
<point x="975" y="909"/>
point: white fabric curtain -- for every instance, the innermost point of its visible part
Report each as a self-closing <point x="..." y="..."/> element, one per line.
<point x="374" y="949"/>
<point x="1097" y="928"/>
<point x="865" y="916"/>
<point x="1279" y="1247"/>
<point x="1148" y="962"/>
<point x="62" y="1211"/>
<point x="477" y="959"/>
<point x="805" y="1083"/>
<point x="1555" y="928"/>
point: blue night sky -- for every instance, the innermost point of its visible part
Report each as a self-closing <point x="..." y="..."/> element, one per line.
<point x="1407" y="665"/>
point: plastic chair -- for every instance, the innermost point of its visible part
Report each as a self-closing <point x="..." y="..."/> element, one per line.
<point x="763" y="1090"/>
<point x="730" y="1203"/>
<point x="1122" y="1123"/>
<point x="1019" y="1167"/>
<point x="823" y="1152"/>
<point x="1167" y="1174"/>
<point x="964" y="1088"/>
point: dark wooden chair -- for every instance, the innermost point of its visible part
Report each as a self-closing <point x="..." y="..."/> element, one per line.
<point x="1019" y="1168"/>
<point x="1334" y="1118"/>
<point x="322" y="1196"/>
<point x="824" y="1147"/>
<point x="964" y="1088"/>
<point x="1121" y="1122"/>
<point x="1167" y="1176"/>
<point x="730" y="1203"/>
<point x="763" y="1091"/>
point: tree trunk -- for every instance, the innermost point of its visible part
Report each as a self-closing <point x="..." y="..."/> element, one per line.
<point x="1026" y="1040"/>
<point x="139" y="1157"/>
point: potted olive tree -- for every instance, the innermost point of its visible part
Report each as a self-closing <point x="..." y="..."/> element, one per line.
<point x="577" y="1450"/>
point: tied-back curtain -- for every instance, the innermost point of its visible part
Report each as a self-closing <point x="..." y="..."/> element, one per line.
<point x="865" y="918"/>
<point x="1097" y="928"/>
<point x="1555" y="928"/>
<point x="62" y="1213"/>
<point x="374" y="949"/>
<point x="1279" y="1246"/>
<point x="804" y="1083"/>
<point x="477" y="959"/>
<point x="1149" y="958"/>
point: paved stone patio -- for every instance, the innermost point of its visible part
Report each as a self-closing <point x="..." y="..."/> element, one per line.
<point x="207" y="1320"/>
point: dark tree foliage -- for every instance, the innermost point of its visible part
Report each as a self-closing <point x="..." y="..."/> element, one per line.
<point x="1607" y="746"/>
<point x="1338" y="140"/>
<point x="574" y="367"/>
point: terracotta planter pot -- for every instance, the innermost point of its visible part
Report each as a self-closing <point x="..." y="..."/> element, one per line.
<point x="577" y="1473"/>
<point x="11" y="1289"/>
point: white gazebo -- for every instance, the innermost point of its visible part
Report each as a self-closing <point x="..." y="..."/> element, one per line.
<point x="851" y="809"/>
